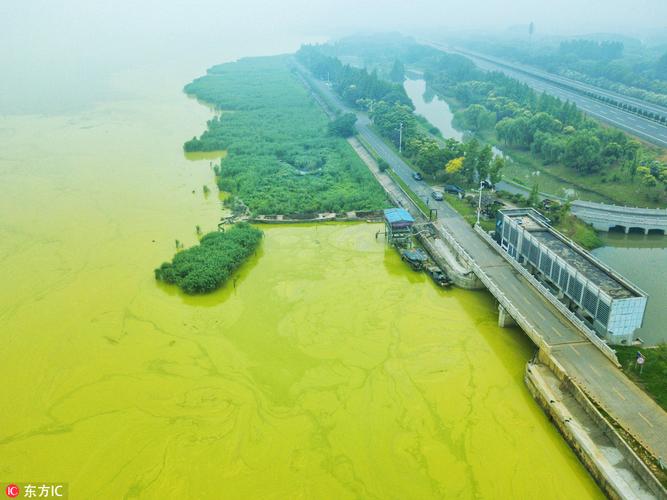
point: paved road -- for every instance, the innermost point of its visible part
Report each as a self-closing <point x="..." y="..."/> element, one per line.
<point x="604" y="383"/>
<point x="630" y="122"/>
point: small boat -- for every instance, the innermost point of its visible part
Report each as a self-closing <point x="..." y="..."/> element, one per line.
<point x="438" y="276"/>
<point x="415" y="257"/>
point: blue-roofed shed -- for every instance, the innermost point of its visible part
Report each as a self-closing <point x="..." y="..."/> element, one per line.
<point x="398" y="218"/>
<point x="398" y="222"/>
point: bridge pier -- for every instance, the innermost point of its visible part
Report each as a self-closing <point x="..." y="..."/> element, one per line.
<point x="504" y="318"/>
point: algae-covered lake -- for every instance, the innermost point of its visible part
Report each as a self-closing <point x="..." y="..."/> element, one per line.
<point x="329" y="371"/>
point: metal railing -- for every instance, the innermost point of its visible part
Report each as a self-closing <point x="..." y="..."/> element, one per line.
<point x="500" y="296"/>
<point x="623" y="209"/>
<point x="573" y="318"/>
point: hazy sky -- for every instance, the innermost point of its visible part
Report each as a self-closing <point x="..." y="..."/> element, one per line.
<point x="83" y="39"/>
<point x="179" y="16"/>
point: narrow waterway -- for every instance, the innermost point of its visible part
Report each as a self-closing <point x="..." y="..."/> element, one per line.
<point x="330" y="371"/>
<point x="431" y="107"/>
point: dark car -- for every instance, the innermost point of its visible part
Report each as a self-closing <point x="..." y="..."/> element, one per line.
<point x="437" y="196"/>
<point x="487" y="184"/>
<point x="417" y="176"/>
<point x="454" y="189"/>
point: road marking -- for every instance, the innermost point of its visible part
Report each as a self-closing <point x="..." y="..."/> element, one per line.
<point x="594" y="370"/>
<point x="556" y="331"/>
<point x="645" y="419"/>
<point x="577" y="352"/>
<point x="619" y="394"/>
<point x="540" y="315"/>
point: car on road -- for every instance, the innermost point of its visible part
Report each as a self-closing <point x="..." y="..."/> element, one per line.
<point x="454" y="189"/>
<point x="487" y="184"/>
<point x="437" y="196"/>
<point x="417" y="176"/>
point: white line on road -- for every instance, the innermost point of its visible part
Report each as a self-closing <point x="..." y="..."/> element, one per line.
<point x="645" y="419"/>
<point x="618" y="393"/>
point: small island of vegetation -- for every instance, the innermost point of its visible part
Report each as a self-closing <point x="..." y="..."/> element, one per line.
<point x="207" y="266"/>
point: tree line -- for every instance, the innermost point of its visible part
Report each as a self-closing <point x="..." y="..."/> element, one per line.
<point x="390" y="109"/>
<point x="631" y="68"/>
<point x="556" y="131"/>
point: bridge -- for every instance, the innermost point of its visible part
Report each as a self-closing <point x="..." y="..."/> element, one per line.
<point x="605" y="217"/>
<point x="588" y="362"/>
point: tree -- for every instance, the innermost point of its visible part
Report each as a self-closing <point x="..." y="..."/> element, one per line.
<point x="661" y="67"/>
<point x="534" y="196"/>
<point x="476" y="117"/>
<point x="472" y="152"/>
<point x="514" y="131"/>
<point x="484" y="162"/>
<point x="343" y="125"/>
<point x="583" y="152"/>
<point x="454" y="166"/>
<point x="496" y="168"/>
<point x="397" y="73"/>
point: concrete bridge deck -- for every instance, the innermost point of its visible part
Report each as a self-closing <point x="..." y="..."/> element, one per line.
<point x="596" y="375"/>
<point x="604" y="217"/>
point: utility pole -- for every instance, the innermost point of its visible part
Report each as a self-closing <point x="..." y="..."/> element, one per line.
<point x="400" y="138"/>
<point x="479" y="204"/>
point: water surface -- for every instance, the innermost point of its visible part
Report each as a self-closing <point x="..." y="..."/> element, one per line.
<point x="431" y="107"/>
<point x="643" y="260"/>
<point x="329" y="371"/>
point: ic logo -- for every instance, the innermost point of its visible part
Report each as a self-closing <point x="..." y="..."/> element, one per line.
<point x="12" y="491"/>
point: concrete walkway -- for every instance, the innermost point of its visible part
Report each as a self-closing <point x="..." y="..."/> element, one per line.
<point x="603" y="382"/>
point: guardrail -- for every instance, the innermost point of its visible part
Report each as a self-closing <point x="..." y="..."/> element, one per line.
<point x="610" y="207"/>
<point x="627" y="220"/>
<point x="503" y="300"/>
<point x="581" y="326"/>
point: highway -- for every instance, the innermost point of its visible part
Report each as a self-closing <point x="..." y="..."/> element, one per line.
<point x="545" y="82"/>
<point x="584" y="363"/>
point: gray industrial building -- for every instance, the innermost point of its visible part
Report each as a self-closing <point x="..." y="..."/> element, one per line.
<point x="612" y="305"/>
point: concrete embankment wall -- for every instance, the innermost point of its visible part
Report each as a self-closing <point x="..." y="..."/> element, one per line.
<point x="590" y="435"/>
<point x="445" y="258"/>
<point x="439" y="250"/>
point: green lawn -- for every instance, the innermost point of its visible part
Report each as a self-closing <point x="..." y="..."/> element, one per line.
<point x="653" y="378"/>
<point x="580" y="232"/>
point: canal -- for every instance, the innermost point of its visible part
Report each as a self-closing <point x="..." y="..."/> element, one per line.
<point x="431" y="107"/>
<point x="329" y="371"/>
